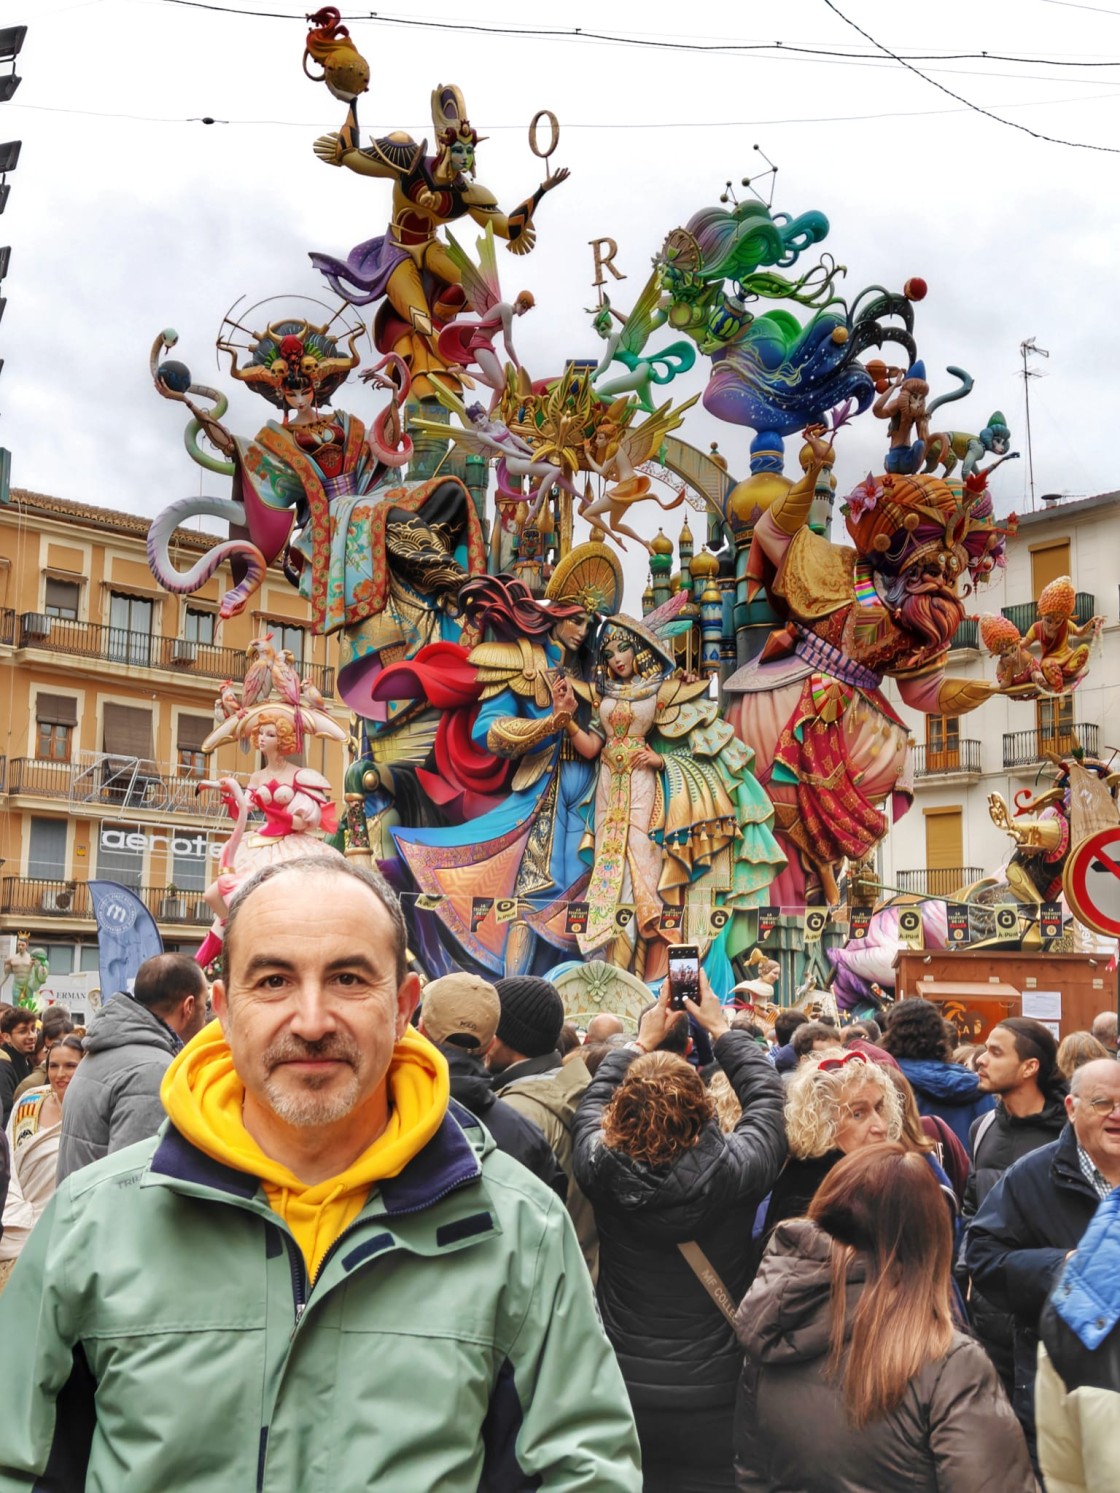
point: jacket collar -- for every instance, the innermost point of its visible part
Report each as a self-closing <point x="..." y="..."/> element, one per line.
<point x="447" y="1162"/>
<point x="527" y="1068"/>
<point x="1065" y="1168"/>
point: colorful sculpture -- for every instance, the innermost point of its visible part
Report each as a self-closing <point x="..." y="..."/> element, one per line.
<point x="29" y="970"/>
<point x="626" y="346"/>
<point x="294" y="800"/>
<point x="408" y="267"/>
<point x="1064" y="658"/>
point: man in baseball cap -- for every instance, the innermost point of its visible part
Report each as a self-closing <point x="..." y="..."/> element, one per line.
<point x="459" y="1013"/>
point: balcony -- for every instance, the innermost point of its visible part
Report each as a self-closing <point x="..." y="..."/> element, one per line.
<point x="139" y="650"/>
<point x="942" y="882"/>
<point x="7" y="626"/>
<point x="35" y="898"/>
<point x="967" y="634"/>
<point x="1026" y="612"/>
<point x="96" y="780"/>
<point x="1030" y="748"/>
<point x="961" y="761"/>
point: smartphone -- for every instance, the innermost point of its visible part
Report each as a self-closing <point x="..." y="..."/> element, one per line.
<point x="684" y="975"/>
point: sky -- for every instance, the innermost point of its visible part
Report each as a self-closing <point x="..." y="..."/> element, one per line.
<point x="126" y="216"/>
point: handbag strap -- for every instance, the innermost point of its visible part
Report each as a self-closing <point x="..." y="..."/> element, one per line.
<point x="708" y="1277"/>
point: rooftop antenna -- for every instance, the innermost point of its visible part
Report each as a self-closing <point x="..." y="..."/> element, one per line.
<point x="1030" y="349"/>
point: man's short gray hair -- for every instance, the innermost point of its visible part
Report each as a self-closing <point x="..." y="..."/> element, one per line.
<point x="320" y="865"/>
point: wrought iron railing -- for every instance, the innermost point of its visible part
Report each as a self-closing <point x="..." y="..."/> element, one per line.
<point x="967" y="634"/>
<point x="1025" y="748"/>
<point x="7" y="626"/>
<point x="35" y="897"/>
<point x="140" y="650"/>
<point x="1023" y="613"/>
<point x="942" y="882"/>
<point x="932" y="762"/>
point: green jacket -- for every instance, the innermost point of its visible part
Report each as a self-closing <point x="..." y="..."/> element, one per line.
<point x="449" y="1342"/>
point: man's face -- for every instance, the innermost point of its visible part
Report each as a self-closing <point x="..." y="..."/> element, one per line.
<point x="23" y="1038"/>
<point x="311" y="1010"/>
<point x="999" y="1065"/>
<point x="1095" y="1112"/>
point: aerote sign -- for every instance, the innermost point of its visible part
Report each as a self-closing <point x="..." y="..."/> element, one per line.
<point x="138" y="840"/>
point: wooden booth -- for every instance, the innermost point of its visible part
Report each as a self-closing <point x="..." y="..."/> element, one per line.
<point x="976" y="990"/>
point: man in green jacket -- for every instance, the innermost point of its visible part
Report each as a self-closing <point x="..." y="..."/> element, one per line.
<point x="320" y="1274"/>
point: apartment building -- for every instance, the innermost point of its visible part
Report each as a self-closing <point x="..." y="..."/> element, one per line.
<point x="948" y="837"/>
<point x="107" y="688"/>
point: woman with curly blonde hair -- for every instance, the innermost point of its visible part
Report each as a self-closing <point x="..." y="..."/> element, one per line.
<point x="838" y="1102"/>
<point x="660" y="1173"/>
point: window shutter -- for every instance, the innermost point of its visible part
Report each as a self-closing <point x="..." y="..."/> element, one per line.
<point x="128" y="731"/>
<point x="56" y="710"/>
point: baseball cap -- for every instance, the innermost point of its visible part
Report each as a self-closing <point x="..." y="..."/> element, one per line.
<point x="462" y="1009"/>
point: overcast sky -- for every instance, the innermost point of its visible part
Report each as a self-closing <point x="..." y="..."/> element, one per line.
<point x="125" y="218"/>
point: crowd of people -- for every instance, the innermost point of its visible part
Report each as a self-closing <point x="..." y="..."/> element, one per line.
<point x="316" y="1226"/>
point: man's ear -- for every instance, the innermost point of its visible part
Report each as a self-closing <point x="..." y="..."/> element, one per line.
<point x="220" y="1002"/>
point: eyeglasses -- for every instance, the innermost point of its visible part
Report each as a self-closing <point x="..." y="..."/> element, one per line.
<point x="1102" y="1107"/>
<point x="830" y="1065"/>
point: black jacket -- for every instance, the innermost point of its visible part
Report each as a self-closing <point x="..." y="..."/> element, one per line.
<point x="997" y="1142"/>
<point x="674" y="1346"/>
<point x="1016" y="1245"/>
<point x="14" y="1068"/>
<point x="513" y="1133"/>
<point x="794" y="1190"/>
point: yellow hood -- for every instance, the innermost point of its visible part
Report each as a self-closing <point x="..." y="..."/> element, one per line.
<point x="203" y="1095"/>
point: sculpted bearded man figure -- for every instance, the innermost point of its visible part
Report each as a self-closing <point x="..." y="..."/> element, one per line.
<point x="829" y="748"/>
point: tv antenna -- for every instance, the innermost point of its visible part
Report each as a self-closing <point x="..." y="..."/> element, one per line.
<point x="1030" y="349"/>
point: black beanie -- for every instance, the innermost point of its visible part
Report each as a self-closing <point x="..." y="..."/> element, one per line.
<point x="532" y="1014"/>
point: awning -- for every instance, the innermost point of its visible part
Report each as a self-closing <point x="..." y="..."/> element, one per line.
<point x="963" y="989"/>
<point x="127" y="731"/>
<point x="191" y="731"/>
<point x="61" y="594"/>
<point x="56" y="710"/>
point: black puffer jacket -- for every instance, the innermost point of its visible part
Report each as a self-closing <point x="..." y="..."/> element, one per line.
<point x="512" y="1132"/>
<point x="674" y="1346"/>
<point x="997" y="1141"/>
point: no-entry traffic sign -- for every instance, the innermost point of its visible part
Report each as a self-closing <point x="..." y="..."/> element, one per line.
<point x="1091" y="881"/>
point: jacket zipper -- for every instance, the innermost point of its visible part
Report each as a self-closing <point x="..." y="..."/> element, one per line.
<point x="299" y="1276"/>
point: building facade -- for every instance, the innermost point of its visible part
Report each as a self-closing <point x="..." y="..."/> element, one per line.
<point x="948" y="837"/>
<point x="107" y="689"/>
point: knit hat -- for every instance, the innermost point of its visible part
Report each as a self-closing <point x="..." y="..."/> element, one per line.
<point x="532" y="1015"/>
<point x="461" y="1009"/>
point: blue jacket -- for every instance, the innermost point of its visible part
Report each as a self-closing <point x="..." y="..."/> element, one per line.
<point x="948" y="1090"/>
<point x="1016" y="1245"/>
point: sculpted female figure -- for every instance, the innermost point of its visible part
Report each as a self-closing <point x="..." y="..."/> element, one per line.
<point x="294" y="800"/>
<point x="677" y="810"/>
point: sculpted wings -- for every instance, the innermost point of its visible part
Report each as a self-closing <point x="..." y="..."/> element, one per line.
<point x="642" y="320"/>
<point x="644" y="441"/>
<point x="479" y="281"/>
<point x="462" y="434"/>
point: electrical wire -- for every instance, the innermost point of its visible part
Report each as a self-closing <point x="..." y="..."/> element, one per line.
<point x="579" y="33"/>
<point x="976" y="108"/>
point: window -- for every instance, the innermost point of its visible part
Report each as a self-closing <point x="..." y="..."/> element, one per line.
<point x="287" y="635"/>
<point x="943" y="743"/>
<point x="130" y="629"/>
<point x="61" y="599"/>
<point x="191" y="732"/>
<point x="120" y="855"/>
<point x="1055" y="725"/>
<point x="198" y="627"/>
<point x="89" y="957"/>
<point x="1048" y="562"/>
<point x="944" y="851"/>
<point x="56" y="716"/>
<point x="60" y="958"/>
<point x="190" y="862"/>
<point x="46" y="852"/>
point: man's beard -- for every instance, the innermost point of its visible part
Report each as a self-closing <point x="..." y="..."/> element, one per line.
<point x="304" y="1105"/>
<point x="932" y="616"/>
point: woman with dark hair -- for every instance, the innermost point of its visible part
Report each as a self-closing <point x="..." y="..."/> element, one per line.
<point x="855" y="1379"/>
<point x="661" y="1174"/>
<point x="915" y="1037"/>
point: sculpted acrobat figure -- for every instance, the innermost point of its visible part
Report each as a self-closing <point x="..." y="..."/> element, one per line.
<point x="830" y="749"/>
<point x="408" y="267"/>
<point x="1064" y="657"/>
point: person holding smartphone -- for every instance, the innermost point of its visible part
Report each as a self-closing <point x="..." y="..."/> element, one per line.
<point x="660" y="1173"/>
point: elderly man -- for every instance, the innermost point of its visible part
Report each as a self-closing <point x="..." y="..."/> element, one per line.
<point x="1036" y="1213"/>
<point x="318" y="1273"/>
<point x="1104" y="1029"/>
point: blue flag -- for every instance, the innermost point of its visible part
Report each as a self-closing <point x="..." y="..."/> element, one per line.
<point x="126" y="935"/>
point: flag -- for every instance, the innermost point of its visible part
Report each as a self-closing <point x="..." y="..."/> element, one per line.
<point x="126" y="936"/>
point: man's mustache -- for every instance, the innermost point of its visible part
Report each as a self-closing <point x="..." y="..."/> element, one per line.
<point x="295" y="1050"/>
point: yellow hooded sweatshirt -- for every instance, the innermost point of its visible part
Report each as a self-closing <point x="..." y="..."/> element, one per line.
<point x="203" y="1095"/>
